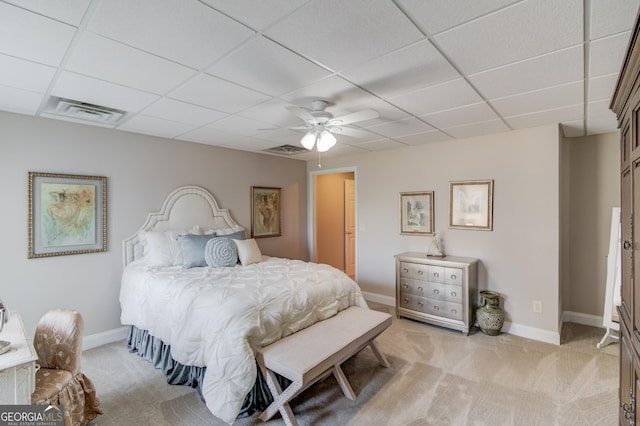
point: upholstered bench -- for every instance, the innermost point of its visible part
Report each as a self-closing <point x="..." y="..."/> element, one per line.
<point x="317" y="351"/>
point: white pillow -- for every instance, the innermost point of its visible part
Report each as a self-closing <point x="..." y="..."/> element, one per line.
<point x="248" y="251"/>
<point x="161" y="248"/>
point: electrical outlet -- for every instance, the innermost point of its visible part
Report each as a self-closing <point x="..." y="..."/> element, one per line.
<point x="537" y="306"/>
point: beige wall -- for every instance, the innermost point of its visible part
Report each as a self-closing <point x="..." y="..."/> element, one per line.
<point x="141" y="172"/>
<point x="594" y="190"/>
<point x="329" y="191"/>
<point x="519" y="258"/>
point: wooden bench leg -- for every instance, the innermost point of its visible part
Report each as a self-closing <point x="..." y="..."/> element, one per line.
<point x="378" y="354"/>
<point x="343" y="382"/>
<point x="280" y="399"/>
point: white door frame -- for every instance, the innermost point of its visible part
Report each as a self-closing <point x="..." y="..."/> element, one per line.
<point x="311" y="207"/>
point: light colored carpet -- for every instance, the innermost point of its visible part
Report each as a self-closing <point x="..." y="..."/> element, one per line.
<point x="437" y="377"/>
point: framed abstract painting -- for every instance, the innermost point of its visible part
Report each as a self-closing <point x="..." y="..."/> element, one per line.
<point x="416" y="213"/>
<point x="67" y="214"/>
<point x="471" y="205"/>
<point x="265" y="212"/>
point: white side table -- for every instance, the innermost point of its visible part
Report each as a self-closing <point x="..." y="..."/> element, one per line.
<point x="18" y="366"/>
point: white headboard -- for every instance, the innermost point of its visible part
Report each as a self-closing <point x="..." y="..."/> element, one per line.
<point x="184" y="208"/>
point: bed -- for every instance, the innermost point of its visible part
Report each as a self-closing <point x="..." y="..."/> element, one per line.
<point x="203" y="324"/>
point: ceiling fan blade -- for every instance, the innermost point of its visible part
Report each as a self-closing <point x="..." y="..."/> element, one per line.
<point x="301" y="112"/>
<point x="349" y="131"/>
<point x="366" y="114"/>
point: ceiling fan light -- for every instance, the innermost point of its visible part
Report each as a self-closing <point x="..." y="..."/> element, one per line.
<point x="308" y="140"/>
<point x="326" y="141"/>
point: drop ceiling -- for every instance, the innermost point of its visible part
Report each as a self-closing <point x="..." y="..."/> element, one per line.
<point x="223" y="72"/>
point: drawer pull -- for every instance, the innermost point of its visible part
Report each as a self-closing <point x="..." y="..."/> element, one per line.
<point x="435" y="274"/>
<point x="453" y="311"/>
<point x="420" y="288"/>
<point x="436" y="308"/>
<point x="405" y="269"/>
<point x="436" y="291"/>
<point x="405" y="300"/>
<point x="420" y="272"/>
<point x="453" y="293"/>
<point x="420" y="304"/>
<point x="453" y="277"/>
<point x="405" y="285"/>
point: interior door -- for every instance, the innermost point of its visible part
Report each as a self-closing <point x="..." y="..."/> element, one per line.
<point x="350" y="227"/>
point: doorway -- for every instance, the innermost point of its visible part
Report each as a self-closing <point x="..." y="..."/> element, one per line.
<point x="333" y="217"/>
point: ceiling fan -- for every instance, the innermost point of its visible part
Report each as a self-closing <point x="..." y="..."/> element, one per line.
<point x="321" y="125"/>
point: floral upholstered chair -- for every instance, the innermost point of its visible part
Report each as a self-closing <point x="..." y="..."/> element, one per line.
<point x="58" y="342"/>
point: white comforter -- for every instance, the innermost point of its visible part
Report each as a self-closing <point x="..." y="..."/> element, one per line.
<point x="218" y="317"/>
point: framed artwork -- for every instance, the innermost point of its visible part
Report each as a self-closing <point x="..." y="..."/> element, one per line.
<point x="67" y="214"/>
<point x="416" y="213"/>
<point x="265" y="212"/>
<point x="471" y="205"/>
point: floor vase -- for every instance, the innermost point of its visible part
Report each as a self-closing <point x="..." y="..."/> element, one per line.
<point x="489" y="316"/>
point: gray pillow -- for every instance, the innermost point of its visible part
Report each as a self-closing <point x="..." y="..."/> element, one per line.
<point x="239" y="235"/>
<point x="220" y="252"/>
<point x="192" y="247"/>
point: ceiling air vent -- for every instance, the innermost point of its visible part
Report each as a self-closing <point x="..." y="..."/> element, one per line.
<point x="82" y="111"/>
<point x="287" y="149"/>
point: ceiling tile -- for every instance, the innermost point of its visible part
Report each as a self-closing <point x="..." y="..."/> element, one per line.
<point x="460" y="116"/>
<point x="363" y="29"/>
<point x="441" y="97"/>
<point x="437" y="15"/>
<point x="602" y="123"/>
<point x="87" y="89"/>
<point x="236" y="125"/>
<point x="272" y="113"/>
<point x="602" y="87"/>
<point x="126" y="66"/>
<point x="256" y="14"/>
<point x="30" y="36"/>
<point x="281" y="136"/>
<point x="380" y="145"/>
<point x="20" y="101"/>
<point x="206" y="135"/>
<point x="334" y="89"/>
<point x="611" y="17"/>
<point x="563" y="66"/>
<point x="570" y="113"/>
<point x="26" y="75"/>
<point x="607" y="54"/>
<point x="155" y="126"/>
<point x="212" y="92"/>
<point x="267" y="67"/>
<point x="540" y="100"/>
<point x="182" y="112"/>
<point x="423" y="138"/>
<point x="188" y="32"/>
<point x="478" y="129"/>
<point x="400" y="128"/>
<point x="403" y="71"/>
<point x="67" y="11"/>
<point x="515" y="33"/>
<point x="599" y="108"/>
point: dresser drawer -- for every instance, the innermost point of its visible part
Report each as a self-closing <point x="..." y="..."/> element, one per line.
<point x="453" y="311"/>
<point x="436" y="291"/>
<point x="453" y="293"/>
<point x="436" y="274"/>
<point x="406" y="269"/>
<point x="453" y="276"/>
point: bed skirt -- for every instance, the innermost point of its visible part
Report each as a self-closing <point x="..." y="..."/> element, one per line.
<point x="158" y="353"/>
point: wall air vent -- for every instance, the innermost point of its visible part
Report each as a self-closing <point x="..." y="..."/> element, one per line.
<point x="287" y="149"/>
<point x="82" y="111"/>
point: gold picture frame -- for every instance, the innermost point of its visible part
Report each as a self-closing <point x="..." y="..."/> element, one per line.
<point x="67" y="214"/>
<point x="265" y="212"/>
<point x="416" y="213"/>
<point x="471" y="205"/>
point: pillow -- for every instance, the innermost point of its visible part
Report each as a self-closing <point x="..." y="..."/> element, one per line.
<point x="248" y="251"/>
<point x="236" y="233"/>
<point x="220" y="252"/>
<point x="193" y="249"/>
<point x="161" y="248"/>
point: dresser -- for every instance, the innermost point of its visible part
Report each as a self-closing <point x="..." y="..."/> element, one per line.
<point x="626" y="105"/>
<point x="18" y="366"/>
<point x="437" y="290"/>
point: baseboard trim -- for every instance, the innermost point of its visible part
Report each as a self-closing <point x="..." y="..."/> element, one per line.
<point x="94" y="340"/>
<point x="584" y="319"/>
<point x="379" y="298"/>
